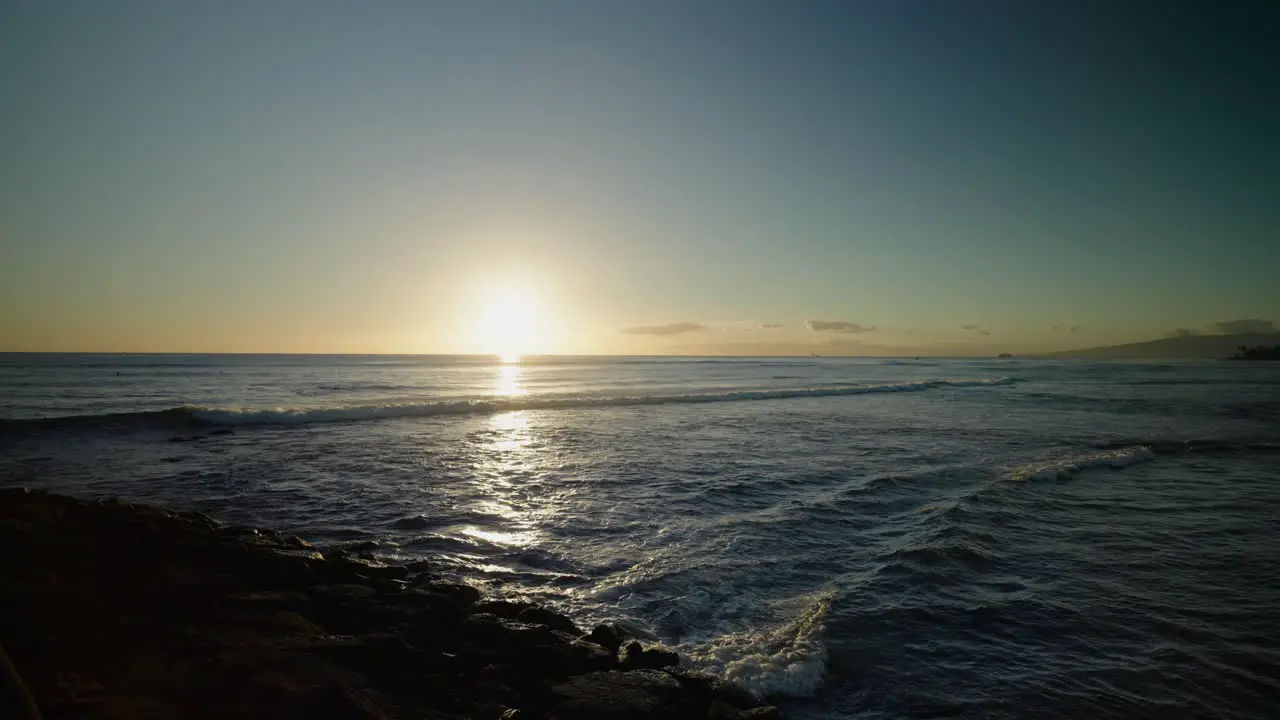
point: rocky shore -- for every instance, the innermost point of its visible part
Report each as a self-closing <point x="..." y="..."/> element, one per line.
<point x="115" y="610"/>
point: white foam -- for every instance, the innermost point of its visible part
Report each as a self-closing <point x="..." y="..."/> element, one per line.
<point x="1070" y="466"/>
<point x="302" y="415"/>
<point x="790" y="659"/>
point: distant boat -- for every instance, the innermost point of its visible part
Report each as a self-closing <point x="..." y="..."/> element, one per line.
<point x="1003" y="356"/>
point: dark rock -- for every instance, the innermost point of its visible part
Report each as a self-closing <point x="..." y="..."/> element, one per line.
<point x="713" y="689"/>
<point x="390" y="586"/>
<point x="221" y="431"/>
<point x="635" y="657"/>
<point x="612" y="634"/>
<point x="491" y="629"/>
<point x="351" y="592"/>
<point x="721" y="711"/>
<point x="350" y="569"/>
<point x="299" y="543"/>
<point x="384" y="658"/>
<point x="636" y="695"/>
<point x="500" y="608"/>
<point x="460" y="596"/>
<point x="286" y="601"/>
<point x="247" y="624"/>
<point x="528" y="613"/>
<point x="177" y="438"/>
<point x="553" y="620"/>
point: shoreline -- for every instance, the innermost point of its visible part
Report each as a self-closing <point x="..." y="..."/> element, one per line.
<point x="118" y="609"/>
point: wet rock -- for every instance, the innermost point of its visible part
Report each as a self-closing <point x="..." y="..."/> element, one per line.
<point x="491" y="629"/>
<point x="610" y="635"/>
<point x="221" y="431"/>
<point x="553" y="620"/>
<point x="635" y="657"/>
<point x="352" y="569"/>
<point x="361" y="547"/>
<point x="457" y="595"/>
<point x="528" y="613"/>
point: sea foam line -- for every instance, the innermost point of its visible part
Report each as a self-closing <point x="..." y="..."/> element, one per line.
<point x="185" y="416"/>
<point x="789" y="659"/>
<point x="1070" y="466"/>
<point x="295" y="416"/>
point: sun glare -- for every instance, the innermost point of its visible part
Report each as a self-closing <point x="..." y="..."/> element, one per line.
<point x="508" y="328"/>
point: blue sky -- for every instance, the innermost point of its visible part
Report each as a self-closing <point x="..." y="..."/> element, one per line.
<point x="649" y="177"/>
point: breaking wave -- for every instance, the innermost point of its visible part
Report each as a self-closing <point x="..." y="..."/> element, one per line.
<point x="1067" y="467"/>
<point x="788" y="660"/>
<point x="188" y="416"/>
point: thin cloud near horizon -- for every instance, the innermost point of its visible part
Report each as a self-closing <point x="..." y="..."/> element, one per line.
<point x="675" y="328"/>
<point x="838" y="326"/>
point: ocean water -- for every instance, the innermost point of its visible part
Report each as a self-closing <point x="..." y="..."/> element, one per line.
<point x="853" y="537"/>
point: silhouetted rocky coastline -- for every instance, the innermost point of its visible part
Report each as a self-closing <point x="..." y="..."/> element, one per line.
<point x="1257" y="352"/>
<point x="117" y="610"/>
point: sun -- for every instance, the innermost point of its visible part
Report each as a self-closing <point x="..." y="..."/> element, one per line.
<point x="508" y="329"/>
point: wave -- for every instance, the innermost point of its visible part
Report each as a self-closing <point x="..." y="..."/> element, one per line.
<point x="789" y="660"/>
<point x="1070" y="466"/>
<point x="176" y="418"/>
<point x="1185" y="447"/>
<point x="187" y="416"/>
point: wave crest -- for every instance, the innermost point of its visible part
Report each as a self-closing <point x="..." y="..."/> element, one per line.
<point x="1070" y="466"/>
<point x="789" y="660"/>
<point x="349" y="413"/>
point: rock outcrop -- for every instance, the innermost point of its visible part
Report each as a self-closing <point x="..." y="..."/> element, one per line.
<point x="115" y="610"/>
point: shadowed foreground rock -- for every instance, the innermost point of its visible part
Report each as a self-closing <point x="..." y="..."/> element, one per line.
<point x="129" y="611"/>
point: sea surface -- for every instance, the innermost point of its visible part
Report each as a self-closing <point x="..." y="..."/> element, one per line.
<point x="857" y="538"/>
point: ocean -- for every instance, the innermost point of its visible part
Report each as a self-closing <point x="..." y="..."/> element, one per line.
<point x="858" y="538"/>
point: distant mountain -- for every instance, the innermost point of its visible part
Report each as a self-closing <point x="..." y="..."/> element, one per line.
<point x="1190" y="347"/>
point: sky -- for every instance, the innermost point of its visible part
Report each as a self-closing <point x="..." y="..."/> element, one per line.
<point x="733" y="177"/>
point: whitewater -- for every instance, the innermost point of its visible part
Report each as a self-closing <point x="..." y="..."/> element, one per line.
<point x="851" y="537"/>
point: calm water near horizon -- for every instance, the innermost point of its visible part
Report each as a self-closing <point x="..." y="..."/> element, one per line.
<point x="866" y="538"/>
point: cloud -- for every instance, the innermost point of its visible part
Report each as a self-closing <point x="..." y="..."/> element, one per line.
<point x="984" y="332"/>
<point x="976" y="329"/>
<point x="837" y="326"/>
<point x="772" y="326"/>
<point x="675" y="328"/>
<point x="1183" y="332"/>
<point x="968" y="327"/>
<point x="1068" y="329"/>
<point x="1232" y="327"/>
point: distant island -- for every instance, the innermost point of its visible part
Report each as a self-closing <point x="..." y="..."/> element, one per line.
<point x="1189" y="347"/>
<point x="1257" y="352"/>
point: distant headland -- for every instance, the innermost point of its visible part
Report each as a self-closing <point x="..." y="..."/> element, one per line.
<point x="1257" y="352"/>
<point x="1189" y="347"/>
